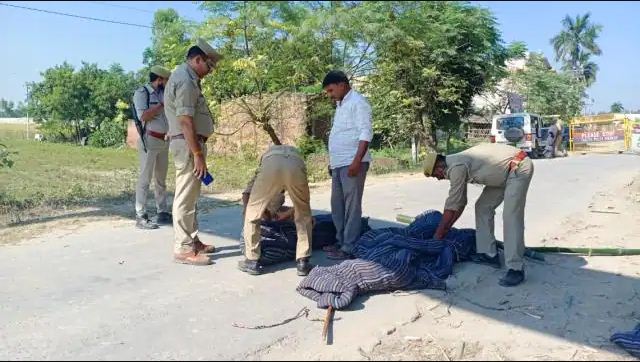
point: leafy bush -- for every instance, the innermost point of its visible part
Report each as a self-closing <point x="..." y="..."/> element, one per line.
<point x="5" y="156"/>
<point x="248" y="152"/>
<point x="111" y="132"/>
<point x="56" y="131"/>
<point x="382" y="165"/>
<point x="310" y="145"/>
<point x="317" y="167"/>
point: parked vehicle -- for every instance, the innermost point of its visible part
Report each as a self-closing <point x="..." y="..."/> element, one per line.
<point x="527" y="131"/>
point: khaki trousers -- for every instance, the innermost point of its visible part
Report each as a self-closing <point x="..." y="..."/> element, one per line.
<point x="185" y="222"/>
<point x="514" y="195"/>
<point x="153" y="164"/>
<point x="287" y="171"/>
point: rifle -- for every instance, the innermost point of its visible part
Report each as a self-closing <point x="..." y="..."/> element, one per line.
<point x="139" y="126"/>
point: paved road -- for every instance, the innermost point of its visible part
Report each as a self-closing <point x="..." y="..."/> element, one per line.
<point x="108" y="291"/>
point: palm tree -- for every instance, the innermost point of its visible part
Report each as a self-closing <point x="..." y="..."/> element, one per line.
<point x="576" y="43"/>
<point x="585" y="69"/>
<point x="617" y="108"/>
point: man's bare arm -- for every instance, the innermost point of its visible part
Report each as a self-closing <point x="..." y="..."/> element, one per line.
<point x="449" y="218"/>
<point x="354" y="168"/>
<point x="363" y="146"/>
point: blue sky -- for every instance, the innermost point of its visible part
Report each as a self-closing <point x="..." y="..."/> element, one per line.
<point x="34" y="41"/>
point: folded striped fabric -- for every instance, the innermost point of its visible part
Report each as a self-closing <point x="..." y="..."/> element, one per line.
<point x="391" y="259"/>
<point x="629" y="341"/>
<point x="278" y="239"/>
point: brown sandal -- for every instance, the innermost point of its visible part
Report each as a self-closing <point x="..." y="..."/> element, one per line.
<point x="191" y="258"/>
<point x="203" y="248"/>
<point x="330" y="248"/>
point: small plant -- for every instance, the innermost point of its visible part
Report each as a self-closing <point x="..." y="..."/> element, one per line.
<point x="5" y="157"/>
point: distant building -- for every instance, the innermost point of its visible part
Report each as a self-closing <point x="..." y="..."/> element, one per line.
<point x="503" y="99"/>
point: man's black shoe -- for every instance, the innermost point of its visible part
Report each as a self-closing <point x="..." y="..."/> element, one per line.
<point x="303" y="267"/>
<point x="143" y="222"/>
<point x="513" y="278"/>
<point x="164" y="218"/>
<point x="487" y="260"/>
<point x="250" y="267"/>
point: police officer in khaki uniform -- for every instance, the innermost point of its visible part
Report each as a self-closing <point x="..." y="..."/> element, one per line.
<point x="554" y="139"/>
<point x="190" y="124"/>
<point x="281" y="167"/>
<point x="154" y="162"/>
<point x="506" y="173"/>
<point x="275" y="210"/>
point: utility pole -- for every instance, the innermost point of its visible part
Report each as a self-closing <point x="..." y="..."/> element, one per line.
<point x="28" y="131"/>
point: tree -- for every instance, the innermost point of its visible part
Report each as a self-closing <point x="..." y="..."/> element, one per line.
<point x="547" y="91"/>
<point x="575" y="45"/>
<point x="419" y="62"/>
<point x="72" y="104"/>
<point x="270" y="48"/>
<point x="617" y="108"/>
<point x="112" y="132"/>
<point x="433" y="58"/>
<point x="169" y="41"/>
<point x="11" y="110"/>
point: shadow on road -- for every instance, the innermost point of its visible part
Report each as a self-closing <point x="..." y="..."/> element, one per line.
<point x="561" y="297"/>
<point x="121" y="206"/>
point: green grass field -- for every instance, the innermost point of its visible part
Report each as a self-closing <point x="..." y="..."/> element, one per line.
<point x="61" y="175"/>
<point x="47" y="176"/>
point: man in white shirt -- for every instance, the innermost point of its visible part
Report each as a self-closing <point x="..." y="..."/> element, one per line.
<point x="349" y="159"/>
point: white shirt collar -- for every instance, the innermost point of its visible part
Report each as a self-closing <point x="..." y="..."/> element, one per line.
<point x="346" y="97"/>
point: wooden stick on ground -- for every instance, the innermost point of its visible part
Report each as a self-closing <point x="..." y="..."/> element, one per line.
<point x="605" y="212"/>
<point x="327" y="321"/>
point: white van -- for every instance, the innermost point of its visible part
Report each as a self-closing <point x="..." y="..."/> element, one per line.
<point x="522" y="130"/>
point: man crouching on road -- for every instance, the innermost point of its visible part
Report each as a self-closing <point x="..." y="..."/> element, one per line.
<point x="506" y="173"/>
<point x="275" y="210"/>
<point x="281" y="167"/>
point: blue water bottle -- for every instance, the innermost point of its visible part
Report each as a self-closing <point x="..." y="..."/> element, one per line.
<point x="207" y="179"/>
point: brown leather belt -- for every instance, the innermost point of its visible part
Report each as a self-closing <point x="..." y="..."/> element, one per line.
<point x="515" y="161"/>
<point x="180" y="136"/>
<point x="157" y="135"/>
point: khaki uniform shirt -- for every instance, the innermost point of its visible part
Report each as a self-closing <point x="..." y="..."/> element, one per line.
<point x="485" y="164"/>
<point x="183" y="97"/>
<point x="142" y="103"/>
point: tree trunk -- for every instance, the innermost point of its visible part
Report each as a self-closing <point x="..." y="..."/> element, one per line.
<point x="427" y="128"/>
<point x="448" y="142"/>
<point x="77" y="127"/>
<point x="245" y="25"/>
<point x="272" y="133"/>
<point x="414" y="149"/>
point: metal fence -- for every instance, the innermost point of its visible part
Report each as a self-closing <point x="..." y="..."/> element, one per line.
<point x="608" y="133"/>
